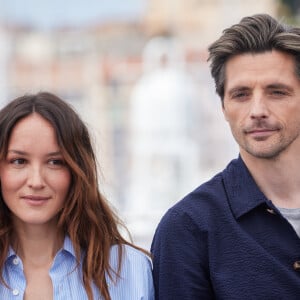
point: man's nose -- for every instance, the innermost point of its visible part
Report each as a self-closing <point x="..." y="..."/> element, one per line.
<point x="258" y="108"/>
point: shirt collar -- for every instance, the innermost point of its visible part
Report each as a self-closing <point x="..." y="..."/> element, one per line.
<point x="243" y="193"/>
<point x="11" y="254"/>
<point x="67" y="246"/>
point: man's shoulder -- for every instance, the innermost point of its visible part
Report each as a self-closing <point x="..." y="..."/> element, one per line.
<point x="206" y="193"/>
<point x="204" y="203"/>
<point x="198" y="203"/>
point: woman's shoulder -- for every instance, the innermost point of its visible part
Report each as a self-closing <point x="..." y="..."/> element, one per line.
<point x="135" y="278"/>
<point x="130" y="255"/>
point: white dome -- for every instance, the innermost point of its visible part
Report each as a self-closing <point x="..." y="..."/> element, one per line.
<point x="160" y="102"/>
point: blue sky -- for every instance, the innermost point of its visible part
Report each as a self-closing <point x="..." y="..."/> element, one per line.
<point x="51" y="13"/>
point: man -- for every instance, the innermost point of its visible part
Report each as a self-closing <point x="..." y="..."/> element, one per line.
<point x="237" y="236"/>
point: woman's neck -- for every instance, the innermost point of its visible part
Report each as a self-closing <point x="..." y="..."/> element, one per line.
<point x="36" y="244"/>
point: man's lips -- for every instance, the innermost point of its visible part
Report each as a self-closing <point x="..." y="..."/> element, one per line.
<point x="260" y="130"/>
<point x="260" y="133"/>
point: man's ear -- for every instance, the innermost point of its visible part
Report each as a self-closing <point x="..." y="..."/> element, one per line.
<point x="224" y="112"/>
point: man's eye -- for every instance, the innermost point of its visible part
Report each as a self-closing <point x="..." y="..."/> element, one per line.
<point x="278" y="93"/>
<point x="240" y="95"/>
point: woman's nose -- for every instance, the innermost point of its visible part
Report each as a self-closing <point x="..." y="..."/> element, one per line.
<point x="35" y="178"/>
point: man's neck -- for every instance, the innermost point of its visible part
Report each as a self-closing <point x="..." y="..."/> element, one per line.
<point x="278" y="178"/>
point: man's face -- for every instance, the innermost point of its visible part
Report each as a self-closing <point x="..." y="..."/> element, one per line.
<point x="262" y="103"/>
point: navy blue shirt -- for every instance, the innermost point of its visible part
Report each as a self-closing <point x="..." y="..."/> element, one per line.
<point x="226" y="240"/>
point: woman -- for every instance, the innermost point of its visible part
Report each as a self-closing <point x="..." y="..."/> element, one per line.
<point x="58" y="237"/>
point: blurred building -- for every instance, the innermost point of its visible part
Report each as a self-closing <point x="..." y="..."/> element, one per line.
<point x="144" y="89"/>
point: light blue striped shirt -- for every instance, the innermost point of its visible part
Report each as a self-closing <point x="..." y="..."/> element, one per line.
<point x="135" y="282"/>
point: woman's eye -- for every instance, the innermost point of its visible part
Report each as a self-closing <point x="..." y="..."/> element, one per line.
<point x="18" y="161"/>
<point x="56" y="162"/>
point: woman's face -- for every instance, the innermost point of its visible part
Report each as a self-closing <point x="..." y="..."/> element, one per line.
<point x="34" y="177"/>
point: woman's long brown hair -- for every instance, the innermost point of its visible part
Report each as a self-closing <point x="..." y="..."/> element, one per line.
<point x="86" y="216"/>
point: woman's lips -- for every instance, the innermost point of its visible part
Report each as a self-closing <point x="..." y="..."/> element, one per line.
<point x="35" y="199"/>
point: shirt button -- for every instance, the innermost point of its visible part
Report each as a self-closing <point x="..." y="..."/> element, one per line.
<point x="271" y="211"/>
<point x="296" y="265"/>
<point x="15" y="261"/>
<point x="15" y="292"/>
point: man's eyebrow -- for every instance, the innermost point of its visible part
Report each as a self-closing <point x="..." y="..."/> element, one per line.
<point x="269" y="86"/>
<point x="279" y="86"/>
<point x="240" y="88"/>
